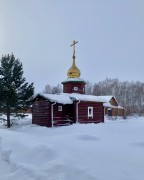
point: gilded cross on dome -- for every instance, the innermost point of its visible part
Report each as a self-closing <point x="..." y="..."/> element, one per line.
<point x="73" y="44"/>
<point x="73" y="72"/>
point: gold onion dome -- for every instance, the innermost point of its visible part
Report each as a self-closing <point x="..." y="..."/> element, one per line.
<point x="73" y="72"/>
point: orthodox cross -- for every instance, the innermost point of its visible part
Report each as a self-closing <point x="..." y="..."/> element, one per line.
<point x="73" y="44"/>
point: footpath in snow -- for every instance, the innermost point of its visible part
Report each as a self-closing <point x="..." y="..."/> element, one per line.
<point x="113" y="150"/>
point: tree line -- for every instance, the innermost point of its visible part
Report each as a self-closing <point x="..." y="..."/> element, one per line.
<point x="52" y="89"/>
<point x="129" y="95"/>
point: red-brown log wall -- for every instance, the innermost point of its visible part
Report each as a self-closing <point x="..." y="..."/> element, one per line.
<point x="41" y="113"/>
<point x="61" y="118"/>
<point x="98" y="112"/>
<point x="69" y="87"/>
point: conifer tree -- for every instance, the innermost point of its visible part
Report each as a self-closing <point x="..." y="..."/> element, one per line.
<point x="14" y="90"/>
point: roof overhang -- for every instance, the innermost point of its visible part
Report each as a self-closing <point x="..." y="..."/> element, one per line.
<point x="74" y="80"/>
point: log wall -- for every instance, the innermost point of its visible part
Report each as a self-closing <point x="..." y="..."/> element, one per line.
<point x="64" y="117"/>
<point x="69" y="87"/>
<point x="115" y="112"/>
<point x="98" y="112"/>
<point x="41" y="113"/>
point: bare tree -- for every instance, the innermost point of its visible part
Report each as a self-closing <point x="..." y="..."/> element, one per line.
<point x="57" y="89"/>
<point x="48" y="89"/>
<point x="88" y="88"/>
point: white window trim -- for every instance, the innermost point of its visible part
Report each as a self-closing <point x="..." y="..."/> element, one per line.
<point x="90" y="115"/>
<point x="59" y="108"/>
<point x="75" y="88"/>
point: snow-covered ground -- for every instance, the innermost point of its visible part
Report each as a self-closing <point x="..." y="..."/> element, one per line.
<point x="113" y="150"/>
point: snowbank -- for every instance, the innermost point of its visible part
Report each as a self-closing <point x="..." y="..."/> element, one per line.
<point x="113" y="150"/>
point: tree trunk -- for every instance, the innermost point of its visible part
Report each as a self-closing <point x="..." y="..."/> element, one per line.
<point x="8" y="119"/>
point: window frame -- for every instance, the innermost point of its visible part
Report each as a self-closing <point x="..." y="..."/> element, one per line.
<point x="59" y="108"/>
<point x="75" y="88"/>
<point x="90" y="112"/>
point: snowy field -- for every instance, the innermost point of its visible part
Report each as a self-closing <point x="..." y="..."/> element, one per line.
<point x="113" y="150"/>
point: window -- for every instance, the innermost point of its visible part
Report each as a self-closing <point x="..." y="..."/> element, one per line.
<point x="75" y="88"/>
<point x="59" y="108"/>
<point x="90" y="112"/>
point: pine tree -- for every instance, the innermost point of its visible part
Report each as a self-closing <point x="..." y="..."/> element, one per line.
<point x="14" y="90"/>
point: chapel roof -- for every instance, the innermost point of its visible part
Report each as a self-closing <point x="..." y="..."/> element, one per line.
<point x="73" y="71"/>
<point x="66" y="98"/>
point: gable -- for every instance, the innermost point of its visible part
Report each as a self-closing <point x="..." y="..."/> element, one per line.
<point x="113" y="102"/>
<point x="110" y="99"/>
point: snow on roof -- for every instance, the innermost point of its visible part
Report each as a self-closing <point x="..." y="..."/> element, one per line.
<point x="66" y="98"/>
<point x="74" y="80"/>
<point x="120" y="107"/>
<point x="84" y="97"/>
<point x="107" y="98"/>
<point x="108" y="105"/>
<point x="59" y="98"/>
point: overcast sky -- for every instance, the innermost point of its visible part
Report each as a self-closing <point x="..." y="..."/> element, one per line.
<point x="39" y="32"/>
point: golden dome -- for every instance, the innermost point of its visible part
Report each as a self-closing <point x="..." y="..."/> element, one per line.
<point x="73" y="72"/>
